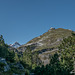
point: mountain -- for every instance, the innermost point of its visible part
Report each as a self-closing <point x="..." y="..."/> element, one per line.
<point x="47" y="43"/>
<point x="51" y="39"/>
<point x="15" y="45"/>
<point x="37" y="52"/>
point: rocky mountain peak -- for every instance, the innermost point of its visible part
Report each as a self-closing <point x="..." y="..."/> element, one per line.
<point x="52" y="28"/>
<point x="15" y="45"/>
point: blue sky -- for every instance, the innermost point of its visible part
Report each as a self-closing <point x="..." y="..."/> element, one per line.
<point x="22" y="20"/>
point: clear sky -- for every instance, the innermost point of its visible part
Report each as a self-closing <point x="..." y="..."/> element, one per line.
<point x="22" y="20"/>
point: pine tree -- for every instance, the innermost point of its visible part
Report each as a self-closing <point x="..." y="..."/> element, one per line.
<point x="16" y="58"/>
<point x="67" y="51"/>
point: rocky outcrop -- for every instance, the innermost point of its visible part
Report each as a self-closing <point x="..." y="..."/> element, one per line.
<point x="18" y="66"/>
<point x="6" y="67"/>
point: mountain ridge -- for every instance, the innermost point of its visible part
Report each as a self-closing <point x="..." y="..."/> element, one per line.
<point x="51" y="37"/>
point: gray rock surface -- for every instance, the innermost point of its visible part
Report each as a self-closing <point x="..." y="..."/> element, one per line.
<point x="6" y="67"/>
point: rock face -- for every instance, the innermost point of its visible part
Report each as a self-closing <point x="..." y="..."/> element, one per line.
<point x="20" y="67"/>
<point x="15" y="45"/>
<point x="6" y="67"/>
